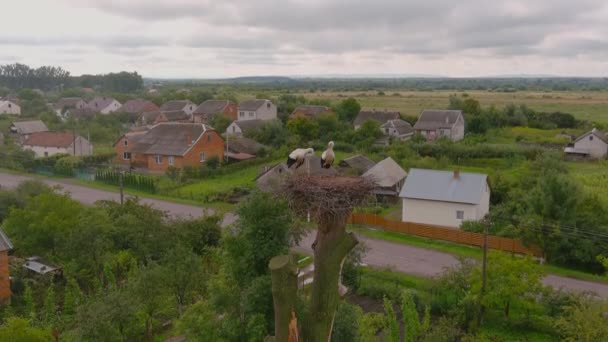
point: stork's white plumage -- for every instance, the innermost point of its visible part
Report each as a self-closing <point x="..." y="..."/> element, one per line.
<point x="328" y="156"/>
<point x="298" y="156"/>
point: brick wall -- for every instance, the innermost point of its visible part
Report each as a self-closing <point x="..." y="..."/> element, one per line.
<point x="231" y="111"/>
<point x="5" y="282"/>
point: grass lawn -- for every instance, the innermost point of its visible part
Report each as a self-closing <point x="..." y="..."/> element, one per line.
<point x="463" y="251"/>
<point x="593" y="176"/>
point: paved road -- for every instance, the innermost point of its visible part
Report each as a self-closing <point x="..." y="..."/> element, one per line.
<point x="399" y="257"/>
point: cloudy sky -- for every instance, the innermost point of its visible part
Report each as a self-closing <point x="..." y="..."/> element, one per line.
<point x="225" y="38"/>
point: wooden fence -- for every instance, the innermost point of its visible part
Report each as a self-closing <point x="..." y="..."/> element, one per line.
<point x="444" y="233"/>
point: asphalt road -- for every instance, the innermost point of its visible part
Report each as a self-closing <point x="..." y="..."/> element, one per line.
<point x="399" y="257"/>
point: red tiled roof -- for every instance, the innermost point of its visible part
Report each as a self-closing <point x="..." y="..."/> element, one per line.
<point x="50" y="139"/>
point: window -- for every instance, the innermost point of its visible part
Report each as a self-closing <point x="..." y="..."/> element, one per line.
<point x="202" y="155"/>
<point x="171" y="160"/>
<point x="591" y="138"/>
<point x="159" y="159"/>
<point x="126" y="155"/>
<point x="10" y="105"/>
<point x="233" y="129"/>
<point x="459" y="214"/>
<point x="242" y="114"/>
<point x="250" y="114"/>
<point x="126" y="143"/>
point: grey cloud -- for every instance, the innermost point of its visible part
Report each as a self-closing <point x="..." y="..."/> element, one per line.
<point x="123" y="41"/>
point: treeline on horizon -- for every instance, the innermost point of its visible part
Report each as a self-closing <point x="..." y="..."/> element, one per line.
<point x="50" y="78"/>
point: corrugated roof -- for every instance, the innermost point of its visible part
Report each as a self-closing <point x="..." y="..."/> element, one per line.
<point x="175" y="105"/>
<point x="50" y="139"/>
<point x="36" y="265"/>
<point x="169" y="138"/>
<point x="380" y="116"/>
<point x="28" y="127"/>
<point x="252" y="105"/>
<point x="431" y="119"/>
<point x="386" y="173"/>
<point x="443" y="186"/>
<point x="402" y="126"/>
<point x="5" y="242"/>
<point x="211" y="107"/>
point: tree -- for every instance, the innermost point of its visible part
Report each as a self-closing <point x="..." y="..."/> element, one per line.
<point x="346" y="324"/>
<point x="305" y="128"/>
<point x="584" y="321"/>
<point x="367" y="134"/>
<point x="369" y="326"/>
<point x="17" y="329"/>
<point x="348" y="109"/>
<point x="147" y="288"/>
<point x="200" y="323"/>
<point x="50" y="307"/>
<point x="72" y="298"/>
<point x="471" y="106"/>
<point x="182" y="275"/>
<point x="220" y="122"/>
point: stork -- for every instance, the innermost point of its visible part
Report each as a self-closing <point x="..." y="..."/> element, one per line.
<point x="328" y="156"/>
<point x="298" y="156"/>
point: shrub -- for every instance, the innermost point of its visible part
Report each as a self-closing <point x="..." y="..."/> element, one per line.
<point x="67" y="165"/>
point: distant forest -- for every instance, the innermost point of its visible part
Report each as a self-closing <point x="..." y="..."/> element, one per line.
<point x="20" y="76"/>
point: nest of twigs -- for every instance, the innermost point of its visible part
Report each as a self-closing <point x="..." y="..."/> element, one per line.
<point x="319" y="196"/>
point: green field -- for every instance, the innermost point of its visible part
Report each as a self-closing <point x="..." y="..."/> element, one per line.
<point x="593" y="176"/>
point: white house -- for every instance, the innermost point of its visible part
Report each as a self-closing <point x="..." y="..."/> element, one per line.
<point x="257" y="110"/>
<point x="592" y="145"/>
<point x="45" y="144"/>
<point x="241" y="127"/>
<point x="9" y="107"/>
<point x="66" y="103"/>
<point x="434" y="124"/>
<point x="185" y="106"/>
<point x="104" y="105"/>
<point x="444" y="198"/>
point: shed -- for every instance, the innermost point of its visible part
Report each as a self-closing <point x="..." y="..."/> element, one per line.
<point x="388" y="177"/>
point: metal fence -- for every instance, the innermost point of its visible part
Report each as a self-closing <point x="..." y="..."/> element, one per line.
<point x="446" y="234"/>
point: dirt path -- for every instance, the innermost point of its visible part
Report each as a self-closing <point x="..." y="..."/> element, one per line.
<point x="399" y="257"/>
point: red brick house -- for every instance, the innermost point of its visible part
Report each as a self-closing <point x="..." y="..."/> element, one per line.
<point x="169" y="144"/>
<point x="5" y="281"/>
<point x="205" y="112"/>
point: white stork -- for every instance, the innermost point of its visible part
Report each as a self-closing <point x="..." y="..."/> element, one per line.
<point x="328" y="156"/>
<point x="298" y="156"/>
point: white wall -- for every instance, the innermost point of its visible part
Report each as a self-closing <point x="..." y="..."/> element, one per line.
<point x="443" y="213"/>
<point x="189" y="109"/>
<point x="596" y="147"/>
<point x="83" y="148"/>
<point x="114" y="106"/>
<point x="458" y="129"/>
<point x="233" y="129"/>
<point x="8" y="107"/>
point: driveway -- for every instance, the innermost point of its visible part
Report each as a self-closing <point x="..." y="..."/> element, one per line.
<point x="399" y="257"/>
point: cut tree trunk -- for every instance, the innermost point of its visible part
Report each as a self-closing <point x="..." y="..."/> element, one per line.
<point x="331" y="246"/>
<point x="284" y="274"/>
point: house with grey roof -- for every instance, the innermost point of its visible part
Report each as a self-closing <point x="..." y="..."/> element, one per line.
<point x="21" y="130"/>
<point x="398" y="129"/>
<point x="380" y="116"/>
<point x="104" y="105"/>
<point x="591" y="145"/>
<point x="388" y="177"/>
<point x="64" y="104"/>
<point x="241" y="127"/>
<point x="257" y="110"/>
<point x="205" y="112"/>
<point x="308" y="111"/>
<point x="355" y="165"/>
<point x="444" y="198"/>
<point x="434" y="124"/>
<point x="186" y="106"/>
<point x="9" y="107"/>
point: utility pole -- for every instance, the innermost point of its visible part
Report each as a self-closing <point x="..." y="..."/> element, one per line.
<point x="74" y="136"/>
<point x="121" y="187"/>
<point x="486" y="223"/>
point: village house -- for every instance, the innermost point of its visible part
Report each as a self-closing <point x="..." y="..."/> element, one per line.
<point x="169" y="144"/>
<point x="66" y="103"/>
<point x="5" y="279"/>
<point x="186" y="106"/>
<point x="240" y="148"/>
<point x="208" y="109"/>
<point x="355" y="165"/>
<point x="257" y="110"/>
<point x="46" y="144"/>
<point x="21" y="130"/>
<point x="444" y="198"/>
<point x="398" y="129"/>
<point x="242" y="127"/>
<point x="388" y="177"/>
<point x="9" y="107"/>
<point x="380" y="116"/>
<point x="308" y="111"/>
<point x="138" y="106"/>
<point x="104" y="105"/>
<point x="434" y="124"/>
<point x="591" y="145"/>
<point x="172" y="116"/>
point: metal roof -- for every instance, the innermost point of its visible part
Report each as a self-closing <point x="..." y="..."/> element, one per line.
<point x="595" y="132"/>
<point x="386" y="173"/>
<point x="175" y="105"/>
<point x="252" y="105"/>
<point x="28" y="127"/>
<point x="435" y="185"/>
<point x="5" y="242"/>
<point x="431" y="119"/>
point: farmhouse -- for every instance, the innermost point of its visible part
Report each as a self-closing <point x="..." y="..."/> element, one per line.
<point x="104" y="105"/>
<point x="308" y="111"/>
<point x="591" y="145"/>
<point x="9" y="107"/>
<point x="138" y="106"/>
<point x="178" y="105"/>
<point x="208" y="109"/>
<point x="380" y="116"/>
<point x="242" y="127"/>
<point x="444" y="198"/>
<point x="169" y="144"/>
<point x="257" y="110"/>
<point x="434" y="124"/>
<point x="45" y="144"/>
<point x="5" y="280"/>
<point x="21" y="130"/>
<point x="66" y="103"/>
<point x="388" y="177"/>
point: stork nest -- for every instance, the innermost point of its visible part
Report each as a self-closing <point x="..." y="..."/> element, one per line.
<point x="327" y="195"/>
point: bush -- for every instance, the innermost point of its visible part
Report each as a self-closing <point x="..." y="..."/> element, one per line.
<point x="346" y="322"/>
<point x="67" y="166"/>
<point x="213" y="162"/>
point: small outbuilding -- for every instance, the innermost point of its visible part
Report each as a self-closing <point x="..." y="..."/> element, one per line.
<point x="388" y="177"/>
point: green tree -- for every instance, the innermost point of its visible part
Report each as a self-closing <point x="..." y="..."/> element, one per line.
<point x="348" y="109"/>
<point x="471" y="106"/>
<point x="200" y="323"/>
<point x="346" y="323"/>
<point x="305" y="128"/>
<point x="30" y="306"/>
<point x="152" y="297"/>
<point x="370" y="325"/>
<point x="220" y="122"/>
<point x="72" y="298"/>
<point x="584" y="321"/>
<point x="17" y="329"/>
<point x="182" y="276"/>
<point x="367" y="134"/>
<point x="50" y="307"/>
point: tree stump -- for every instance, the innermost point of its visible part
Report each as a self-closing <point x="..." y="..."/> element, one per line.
<point x="284" y="274"/>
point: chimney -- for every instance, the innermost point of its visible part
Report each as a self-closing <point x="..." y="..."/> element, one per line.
<point x="456" y="173"/>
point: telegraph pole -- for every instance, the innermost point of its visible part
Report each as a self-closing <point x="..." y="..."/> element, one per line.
<point x="486" y="223"/>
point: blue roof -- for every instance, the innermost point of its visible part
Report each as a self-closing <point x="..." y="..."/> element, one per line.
<point x="434" y="185"/>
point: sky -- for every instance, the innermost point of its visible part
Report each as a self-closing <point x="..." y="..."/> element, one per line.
<point x="229" y="38"/>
